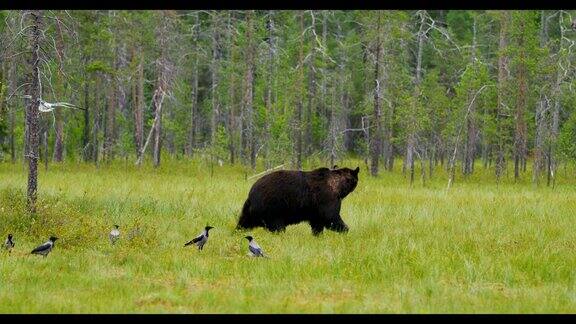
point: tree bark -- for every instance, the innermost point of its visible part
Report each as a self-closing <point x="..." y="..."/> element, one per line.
<point x="33" y="115"/>
<point x="472" y="133"/>
<point x="192" y="133"/>
<point x="86" y="131"/>
<point x="375" y="141"/>
<point x="501" y="107"/>
<point x="12" y="80"/>
<point x="541" y="107"/>
<point x="299" y="94"/>
<point x="249" y="95"/>
<point x="215" y="114"/>
<point x="138" y="102"/>
<point x="411" y="140"/>
<point x="161" y="85"/>
<point x="520" y="141"/>
<point x="110" y="118"/>
<point x="268" y="100"/>
<point x="311" y="93"/>
<point x="59" y="139"/>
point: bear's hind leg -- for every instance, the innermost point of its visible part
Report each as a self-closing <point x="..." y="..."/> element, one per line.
<point x="317" y="228"/>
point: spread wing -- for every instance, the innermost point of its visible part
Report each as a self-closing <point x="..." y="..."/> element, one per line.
<point x="195" y="240"/>
<point x="42" y="248"/>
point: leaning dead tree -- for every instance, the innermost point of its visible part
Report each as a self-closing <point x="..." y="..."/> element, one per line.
<point x="32" y="112"/>
<point x="164" y="69"/>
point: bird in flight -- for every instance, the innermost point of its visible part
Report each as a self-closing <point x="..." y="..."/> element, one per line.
<point x="45" y="248"/>
<point x="45" y="106"/>
<point x="201" y="239"/>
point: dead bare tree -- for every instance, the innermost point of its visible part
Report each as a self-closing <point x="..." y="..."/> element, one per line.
<point x="562" y="73"/>
<point x="163" y="71"/>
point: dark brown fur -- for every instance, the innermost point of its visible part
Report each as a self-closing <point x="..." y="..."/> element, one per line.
<point x="284" y="198"/>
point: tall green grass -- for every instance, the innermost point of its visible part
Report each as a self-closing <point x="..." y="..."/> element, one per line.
<point x="476" y="248"/>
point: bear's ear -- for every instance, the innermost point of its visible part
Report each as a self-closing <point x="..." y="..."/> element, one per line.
<point x="335" y="167"/>
<point x="355" y="171"/>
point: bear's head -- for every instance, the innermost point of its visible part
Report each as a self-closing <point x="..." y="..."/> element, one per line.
<point x="343" y="181"/>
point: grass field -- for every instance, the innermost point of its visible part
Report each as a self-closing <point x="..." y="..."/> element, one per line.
<point x="477" y="248"/>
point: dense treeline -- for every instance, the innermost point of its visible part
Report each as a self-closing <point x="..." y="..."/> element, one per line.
<point x="422" y="88"/>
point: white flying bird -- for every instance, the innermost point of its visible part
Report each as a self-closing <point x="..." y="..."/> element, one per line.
<point x="48" y="107"/>
<point x="45" y="106"/>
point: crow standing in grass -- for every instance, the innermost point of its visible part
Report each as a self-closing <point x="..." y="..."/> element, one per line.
<point x="114" y="234"/>
<point x="201" y="239"/>
<point x="255" y="249"/>
<point x="9" y="244"/>
<point x="45" y="248"/>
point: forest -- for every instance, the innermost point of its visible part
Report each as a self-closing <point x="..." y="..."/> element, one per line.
<point x="156" y="123"/>
<point x="425" y="88"/>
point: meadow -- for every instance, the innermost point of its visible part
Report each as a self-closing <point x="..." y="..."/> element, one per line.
<point x="476" y="248"/>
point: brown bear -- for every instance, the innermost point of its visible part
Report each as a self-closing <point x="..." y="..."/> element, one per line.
<point x="285" y="197"/>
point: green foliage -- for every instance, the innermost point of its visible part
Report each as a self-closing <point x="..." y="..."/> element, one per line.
<point x="460" y="57"/>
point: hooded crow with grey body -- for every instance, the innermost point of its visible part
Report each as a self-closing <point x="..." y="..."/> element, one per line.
<point x="201" y="239"/>
<point x="45" y="248"/>
<point x="255" y="249"/>
<point x="114" y="234"/>
<point x="9" y="244"/>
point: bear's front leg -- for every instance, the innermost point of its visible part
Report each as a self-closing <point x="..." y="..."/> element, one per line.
<point x="330" y="216"/>
<point x="338" y="225"/>
<point x="275" y="226"/>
